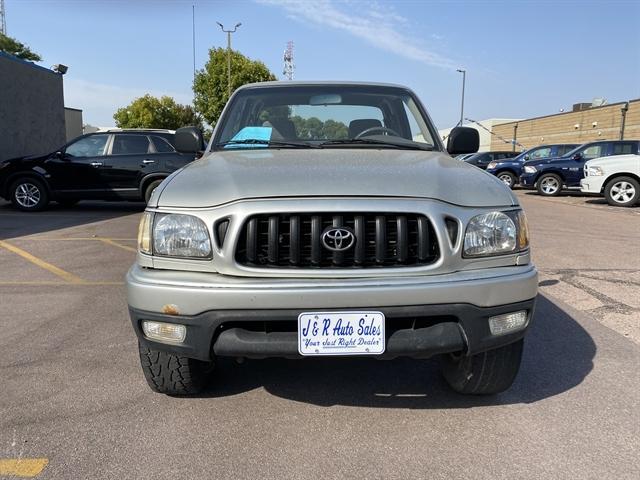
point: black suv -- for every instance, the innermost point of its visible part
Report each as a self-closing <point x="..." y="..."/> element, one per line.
<point x="482" y="159"/>
<point x="111" y="165"/>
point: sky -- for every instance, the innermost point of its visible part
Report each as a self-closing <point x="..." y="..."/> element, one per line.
<point x="523" y="59"/>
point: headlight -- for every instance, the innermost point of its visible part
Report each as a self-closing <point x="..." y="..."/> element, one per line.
<point x="492" y="165"/>
<point x="177" y="235"/>
<point x="594" y="172"/>
<point x="530" y="169"/>
<point x="496" y="233"/>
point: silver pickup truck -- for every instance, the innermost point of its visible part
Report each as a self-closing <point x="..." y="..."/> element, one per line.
<point x="328" y="219"/>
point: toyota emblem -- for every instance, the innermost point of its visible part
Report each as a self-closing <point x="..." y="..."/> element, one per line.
<point x="338" y="239"/>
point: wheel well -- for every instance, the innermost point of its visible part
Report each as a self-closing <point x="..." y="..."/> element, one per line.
<point x="507" y="170"/>
<point x="613" y="176"/>
<point x="548" y="172"/>
<point x="17" y="175"/>
<point x="147" y="180"/>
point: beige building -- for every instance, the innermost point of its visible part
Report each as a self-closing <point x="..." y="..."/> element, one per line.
<point x="579" y="126"/>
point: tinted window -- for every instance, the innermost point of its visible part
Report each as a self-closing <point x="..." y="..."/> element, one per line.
<point x="130" y="144"/>
<point x="594" y="151"/>
<point x="162" y="145"/>
<point x="92" y="146"/>
<point x="624" y="148"/>
<point x="562" y="149"/>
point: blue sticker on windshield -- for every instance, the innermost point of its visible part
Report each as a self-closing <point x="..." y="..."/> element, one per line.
<point x="251" y="133"/>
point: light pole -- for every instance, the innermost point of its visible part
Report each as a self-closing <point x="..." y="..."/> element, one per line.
<point x="464" y="77"/>
<point x="229" y="32"/>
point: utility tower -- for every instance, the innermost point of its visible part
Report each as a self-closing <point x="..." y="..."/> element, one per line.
<point x="3" y="19"/>
<point x="289" y="66"/>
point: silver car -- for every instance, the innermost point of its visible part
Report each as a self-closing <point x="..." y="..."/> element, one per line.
<point x="327" y="219"/>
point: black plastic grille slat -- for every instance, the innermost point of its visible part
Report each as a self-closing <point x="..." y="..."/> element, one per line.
<point x="294" y="240"/>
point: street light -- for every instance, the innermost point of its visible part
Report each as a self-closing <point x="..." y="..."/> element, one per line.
<point x="229" y="32"/>
<point x="464" y="77"/>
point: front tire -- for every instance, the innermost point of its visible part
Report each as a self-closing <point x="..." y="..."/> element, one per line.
<point x="508" y="178"/>
<point x="549" y="185"/>
<point x="173" y="374"/>
<point x="485" y="373"/>
<point x="29" y="194"/>
<point x="622" y="192"/>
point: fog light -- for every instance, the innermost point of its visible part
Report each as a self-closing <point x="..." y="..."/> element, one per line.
<point x="508" y="322"/>
<point x="164" y="332"/>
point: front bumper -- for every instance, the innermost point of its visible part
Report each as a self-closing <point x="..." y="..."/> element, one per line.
<point x="528" y="180"/>
<point x="251" y="317"/>
<point x="592" y="184"/>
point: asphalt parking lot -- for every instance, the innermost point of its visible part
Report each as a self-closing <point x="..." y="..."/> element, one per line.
<point x="74" y="401"/>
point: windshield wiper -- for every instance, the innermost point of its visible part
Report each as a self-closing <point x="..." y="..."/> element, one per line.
<point x="267" y="143"/>
<point x="408" y="144"/>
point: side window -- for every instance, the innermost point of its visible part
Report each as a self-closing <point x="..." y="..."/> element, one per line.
<point x="541" y="153"/>
<point x="562" y="149"/>
<point x="624" y="148"/>
<point x="130" y="145"/>
<point x="594" y="151"/>
<point x="162" y="145"/>
<point x="92" y="146"/>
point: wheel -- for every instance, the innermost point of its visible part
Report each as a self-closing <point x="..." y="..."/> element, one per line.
<point x="622" y="192"/>
<point x="549" y="185"/>
<point x="29" y="194"/>
<point x="173" y="374"/>
<point x="67" y="202"/>
<point x="150" y="188"/>
<point x="508" y="178"/>
<point x="485" y="373"/>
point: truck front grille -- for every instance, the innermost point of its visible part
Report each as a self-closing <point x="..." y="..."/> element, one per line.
<point x="296" y="240"/>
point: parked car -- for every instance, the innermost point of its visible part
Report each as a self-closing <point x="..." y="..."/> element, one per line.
<point x="510" y="169"/>
<point x="482" y="159"/>
<point x="111" y="165"/>
<point x="616" y="177"/>
<point x="549" y="176"/>
<point x="285" y="241"/>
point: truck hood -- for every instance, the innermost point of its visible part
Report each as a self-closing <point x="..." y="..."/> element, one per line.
<point x="223" y="177"/>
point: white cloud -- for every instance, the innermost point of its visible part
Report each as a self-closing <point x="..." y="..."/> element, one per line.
<point x="380" y="27"/>
<point x="100" y="101"/>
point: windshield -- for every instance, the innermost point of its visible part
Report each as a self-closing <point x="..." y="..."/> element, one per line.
<point x="324" y="116"/>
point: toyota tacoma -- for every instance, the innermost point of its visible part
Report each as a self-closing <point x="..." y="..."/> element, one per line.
<point x="328" y="219"/>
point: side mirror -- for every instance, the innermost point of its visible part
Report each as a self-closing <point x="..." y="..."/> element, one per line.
<point x="58" y="154"/>
<point x="526" y="157"/>
<point x="188" y="140"/>
<point x="463" y="140"/>
<point x="577" y="156"/>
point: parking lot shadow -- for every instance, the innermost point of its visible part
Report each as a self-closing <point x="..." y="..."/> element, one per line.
<point x="14" y="223"/>
<point x="558" y="356"/>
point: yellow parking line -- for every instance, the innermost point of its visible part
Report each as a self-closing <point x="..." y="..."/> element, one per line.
<point x="109" y="241"/>
<point x="66" y="276"/>
<point x="22" y="467"/>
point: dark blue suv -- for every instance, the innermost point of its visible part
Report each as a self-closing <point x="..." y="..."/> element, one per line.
<point x="509" y="170"/>
<point x="550" y="175"/>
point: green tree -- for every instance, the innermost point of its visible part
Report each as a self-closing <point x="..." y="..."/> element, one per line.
<point x="13" y="47"/>
<point x="153" y="112"/>
<point x="211" y="86"/>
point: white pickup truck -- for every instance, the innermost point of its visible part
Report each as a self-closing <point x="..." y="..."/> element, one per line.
<point x="616" y="177"/>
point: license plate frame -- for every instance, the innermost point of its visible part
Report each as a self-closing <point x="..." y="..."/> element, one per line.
<point x="330" y="335"/>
